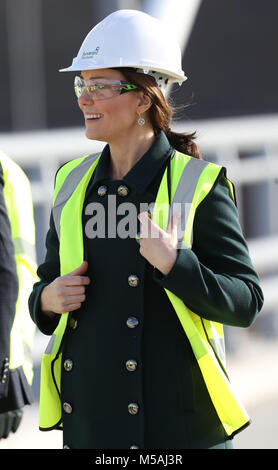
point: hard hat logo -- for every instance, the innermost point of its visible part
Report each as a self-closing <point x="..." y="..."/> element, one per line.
<point x="89" y="55"/>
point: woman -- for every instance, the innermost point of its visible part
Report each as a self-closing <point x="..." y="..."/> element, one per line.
<point x="136" y="358"/>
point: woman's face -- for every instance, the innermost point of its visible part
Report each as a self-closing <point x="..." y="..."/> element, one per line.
<point x="116" y="116"/>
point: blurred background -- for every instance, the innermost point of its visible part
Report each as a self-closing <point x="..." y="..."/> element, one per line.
<point x="231" y="98"/>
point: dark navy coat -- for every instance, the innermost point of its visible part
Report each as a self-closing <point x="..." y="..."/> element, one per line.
<point x="129" y="376"/>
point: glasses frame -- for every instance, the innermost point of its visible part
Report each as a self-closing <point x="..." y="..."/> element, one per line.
<point x="121" y="85"/>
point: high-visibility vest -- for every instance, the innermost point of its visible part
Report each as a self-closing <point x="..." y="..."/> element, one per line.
<point x="191" y="182"/>
<point x="19" y="204"/>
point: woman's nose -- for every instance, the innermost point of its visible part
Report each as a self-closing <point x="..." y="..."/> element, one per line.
<point x="85" y="98"/>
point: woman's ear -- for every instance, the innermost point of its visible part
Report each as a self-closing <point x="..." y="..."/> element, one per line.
<point x="144" y="103"/>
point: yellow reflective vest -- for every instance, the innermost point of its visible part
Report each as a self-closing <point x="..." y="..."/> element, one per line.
<point x="19" y="204"/>
<point x="191" y="181"/>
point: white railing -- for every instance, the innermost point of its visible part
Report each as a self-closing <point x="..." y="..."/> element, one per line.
<point x="223" y="138"/>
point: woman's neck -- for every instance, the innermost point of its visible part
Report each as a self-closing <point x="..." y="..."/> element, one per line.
<point x="126" y="152"/>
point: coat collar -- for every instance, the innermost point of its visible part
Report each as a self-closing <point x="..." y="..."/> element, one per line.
<point x="144" y="171"/>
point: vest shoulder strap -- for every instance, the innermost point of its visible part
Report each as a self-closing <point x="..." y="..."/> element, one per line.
<point x="63" y="172"/>
<point x="67" y="179"/>
<point x="191" y="181"/>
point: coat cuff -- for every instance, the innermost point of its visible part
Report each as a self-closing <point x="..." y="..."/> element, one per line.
<point x="45" y="324"/>
<point x="182" y="269"/>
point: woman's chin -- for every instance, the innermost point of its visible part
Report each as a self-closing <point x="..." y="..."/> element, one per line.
<point x="94" y="135"/>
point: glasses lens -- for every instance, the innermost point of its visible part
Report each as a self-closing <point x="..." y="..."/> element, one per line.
<point x="96" y="89"/>
<point x="78" y="86"/>
<point x="101" y="89"/>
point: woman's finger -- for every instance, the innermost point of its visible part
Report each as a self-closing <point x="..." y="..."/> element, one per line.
<point x="173" y="225"/>
<point x="72" y="290"/>
<point x="69" y="280"/>
<point x="149" y="229"/>
<point x="73" y="307"/>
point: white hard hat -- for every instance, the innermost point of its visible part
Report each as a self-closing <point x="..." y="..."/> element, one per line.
<point x="130" y="38"/>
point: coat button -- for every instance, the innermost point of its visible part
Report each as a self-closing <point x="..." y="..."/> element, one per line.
<point x="132" y="322"/>
<point x="102" y="190"/>
<point x="123" y="190"/>
<point x="131" y="365"/>
<point x="133" y="280"/>
<point x="134" y="447"/>
<point x="66" y="447"/>
<point x="68" y="365"/>
<point x="133" y="408"/>
<point x="67" y="408"/>
<point x="73" y="323"/>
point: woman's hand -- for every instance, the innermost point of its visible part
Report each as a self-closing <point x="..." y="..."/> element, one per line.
<point x="65" y="293"/>
<point x="158" y="246"/>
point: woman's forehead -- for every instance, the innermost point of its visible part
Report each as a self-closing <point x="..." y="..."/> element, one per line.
<point x="102" y="73"/>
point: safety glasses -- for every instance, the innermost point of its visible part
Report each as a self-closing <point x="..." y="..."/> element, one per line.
<point x="101" y="89"/>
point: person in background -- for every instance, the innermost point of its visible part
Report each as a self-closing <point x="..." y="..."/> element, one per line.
<point x="17" y="275"/>
<point x="136" y="304"/>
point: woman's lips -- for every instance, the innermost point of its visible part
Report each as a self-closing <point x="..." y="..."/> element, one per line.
<point x="93" y="117"/>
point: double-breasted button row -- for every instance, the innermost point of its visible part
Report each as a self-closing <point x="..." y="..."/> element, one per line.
<point x="131" y="364"/>
<point x="122" y="190"/>
<point x="67" y="407"/>
<point x="5" y="370"/>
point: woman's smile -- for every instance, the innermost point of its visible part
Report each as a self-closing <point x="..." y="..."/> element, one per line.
<point x="93" y="117"/>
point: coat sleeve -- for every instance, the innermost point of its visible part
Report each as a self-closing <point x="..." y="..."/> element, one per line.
<point x="8" y="293"/>
<point x="47" y="272"/>
<point x="216" y="279"/>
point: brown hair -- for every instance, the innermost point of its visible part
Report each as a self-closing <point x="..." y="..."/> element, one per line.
<point x="161" y="112"/>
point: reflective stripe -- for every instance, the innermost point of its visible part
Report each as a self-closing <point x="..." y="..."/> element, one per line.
<point x="188" y="181"/>
<point x="185" y="192"/>
<point x="215" y="335"/>
<point x="22" y="246"/>
<point x="219" y="348"/>
<point x="49" y="347"/>
<point x="70" y="184"/>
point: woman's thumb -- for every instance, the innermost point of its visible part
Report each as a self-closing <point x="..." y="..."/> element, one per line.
<point x="81" y="269"/>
